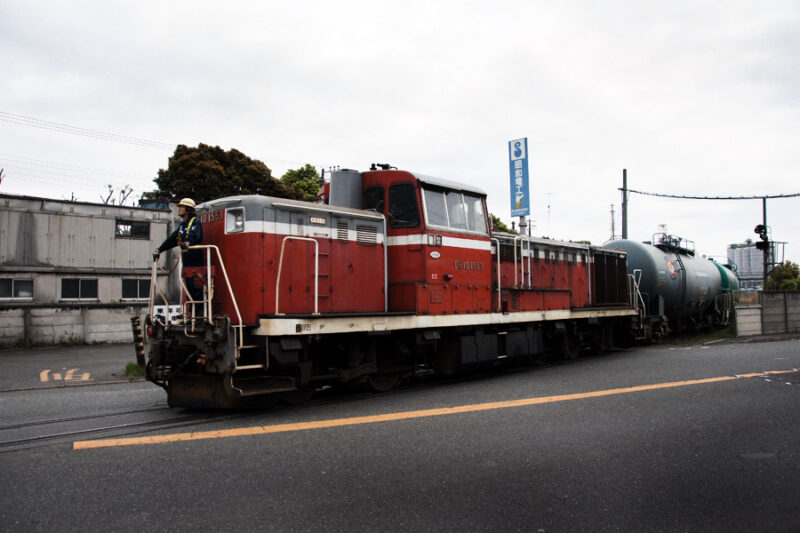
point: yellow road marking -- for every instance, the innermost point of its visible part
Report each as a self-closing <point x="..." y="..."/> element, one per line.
<point x="339" y="422"/>
<point x="44" y="376"/>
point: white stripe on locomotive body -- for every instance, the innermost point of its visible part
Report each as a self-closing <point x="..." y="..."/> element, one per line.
<point x="284" y="326"/>
<point x="543" y="251"/>
<point x="306" y="230"/>
<point x="451" y="242"/>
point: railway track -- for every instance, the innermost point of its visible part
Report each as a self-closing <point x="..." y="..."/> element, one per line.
<point x="24" y="435"/>
<point x="125" y="422"/>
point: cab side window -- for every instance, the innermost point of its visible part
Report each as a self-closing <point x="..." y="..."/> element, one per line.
<point x="403" y="210"/>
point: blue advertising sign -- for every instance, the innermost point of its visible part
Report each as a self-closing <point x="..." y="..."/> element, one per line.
<point x="518" y="166"/>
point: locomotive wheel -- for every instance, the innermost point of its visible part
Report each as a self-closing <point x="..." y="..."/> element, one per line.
<point x="570" y="347"/>
<point x="600" y="340"/>
<point x="383" y="382"/>
<point x="299" y="396"/>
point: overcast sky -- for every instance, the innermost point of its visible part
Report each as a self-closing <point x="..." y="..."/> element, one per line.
<point x="692" y="97"/>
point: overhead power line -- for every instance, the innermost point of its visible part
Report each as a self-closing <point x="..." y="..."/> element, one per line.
<point x="685" y="197"/>
<point x="83" y="132"/>
<point x="59" y="127"/>
<point x="50" y="167"/>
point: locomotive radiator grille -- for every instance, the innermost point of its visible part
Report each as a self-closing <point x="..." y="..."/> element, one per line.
<point x="343" y="231"/>
<point x="366" y="234"/>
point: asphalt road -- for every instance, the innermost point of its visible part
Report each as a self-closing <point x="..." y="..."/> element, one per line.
<point x="637" y="440"/>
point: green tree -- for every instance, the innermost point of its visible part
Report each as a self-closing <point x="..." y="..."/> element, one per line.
<point x="784" y="277"/>
<point x="208" y="172"/>
<point x="305" y="180"/>
<point x="498" y="225"/>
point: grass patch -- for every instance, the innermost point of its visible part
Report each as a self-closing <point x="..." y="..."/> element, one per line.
<point x="134" y="371"/>
<point x="694" y="338"/>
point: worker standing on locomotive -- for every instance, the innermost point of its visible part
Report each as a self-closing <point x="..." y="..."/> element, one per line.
<point x="189" y="233"/>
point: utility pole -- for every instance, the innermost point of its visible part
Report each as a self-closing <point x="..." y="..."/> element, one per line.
<point x="766" y="242"/>
<point x="624" y="203"/>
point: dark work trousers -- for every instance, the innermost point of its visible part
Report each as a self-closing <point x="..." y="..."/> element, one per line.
<point x="196" y="292"/>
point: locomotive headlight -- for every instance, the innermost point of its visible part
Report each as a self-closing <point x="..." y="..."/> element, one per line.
<point x="234" y="220"/>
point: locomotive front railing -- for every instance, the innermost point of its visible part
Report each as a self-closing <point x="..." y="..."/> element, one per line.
<point x="206" y="302"/>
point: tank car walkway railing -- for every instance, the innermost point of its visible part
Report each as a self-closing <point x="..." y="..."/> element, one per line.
<point x="316" y="272"/>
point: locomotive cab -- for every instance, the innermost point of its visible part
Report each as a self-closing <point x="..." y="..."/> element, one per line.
<point x="439" y="248"/>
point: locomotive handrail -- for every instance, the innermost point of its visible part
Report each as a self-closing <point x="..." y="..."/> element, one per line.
<point x="210" y="294"/>
<point x="385" y="268"/>
<point x="636" y="277"/>
<point x="526" y="239"/>
<point x="207" y="301"/>
<point x="316" y="272"/>
<point x="499" y="291"/>
<point x="155" y="288"/>
<point x="530" y="258"/>
<point x="153" y="285"/>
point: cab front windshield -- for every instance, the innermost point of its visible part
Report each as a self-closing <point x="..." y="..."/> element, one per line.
<point x="454" y="210"/>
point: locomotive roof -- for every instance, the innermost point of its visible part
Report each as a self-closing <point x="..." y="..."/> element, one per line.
<point x="553" y="242"/>
<point x="540" y="240"/>
<point x="447" y="184"/>
<point x="258" y="201"/>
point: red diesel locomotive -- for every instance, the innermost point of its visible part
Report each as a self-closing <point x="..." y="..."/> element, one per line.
<point x="391" y="273"/>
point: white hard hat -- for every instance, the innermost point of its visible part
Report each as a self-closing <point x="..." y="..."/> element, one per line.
<point x="187" y="202"/>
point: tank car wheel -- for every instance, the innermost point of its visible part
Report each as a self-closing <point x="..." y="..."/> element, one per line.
<point x="383" y="382"/>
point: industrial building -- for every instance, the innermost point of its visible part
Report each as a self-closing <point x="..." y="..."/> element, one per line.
<point x="75" y="271"/>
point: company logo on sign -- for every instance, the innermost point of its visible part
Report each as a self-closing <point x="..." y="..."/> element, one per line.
<point x="518" y="167"/>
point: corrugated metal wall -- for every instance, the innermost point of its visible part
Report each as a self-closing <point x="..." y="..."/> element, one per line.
<point x="33" y="236"/>
<point x="50" y="240"/>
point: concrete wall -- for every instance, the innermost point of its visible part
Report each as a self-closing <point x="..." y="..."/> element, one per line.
<point x="779" y="312"/>
<point x="748" y="320"/>
<point x="59" y="325"/>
